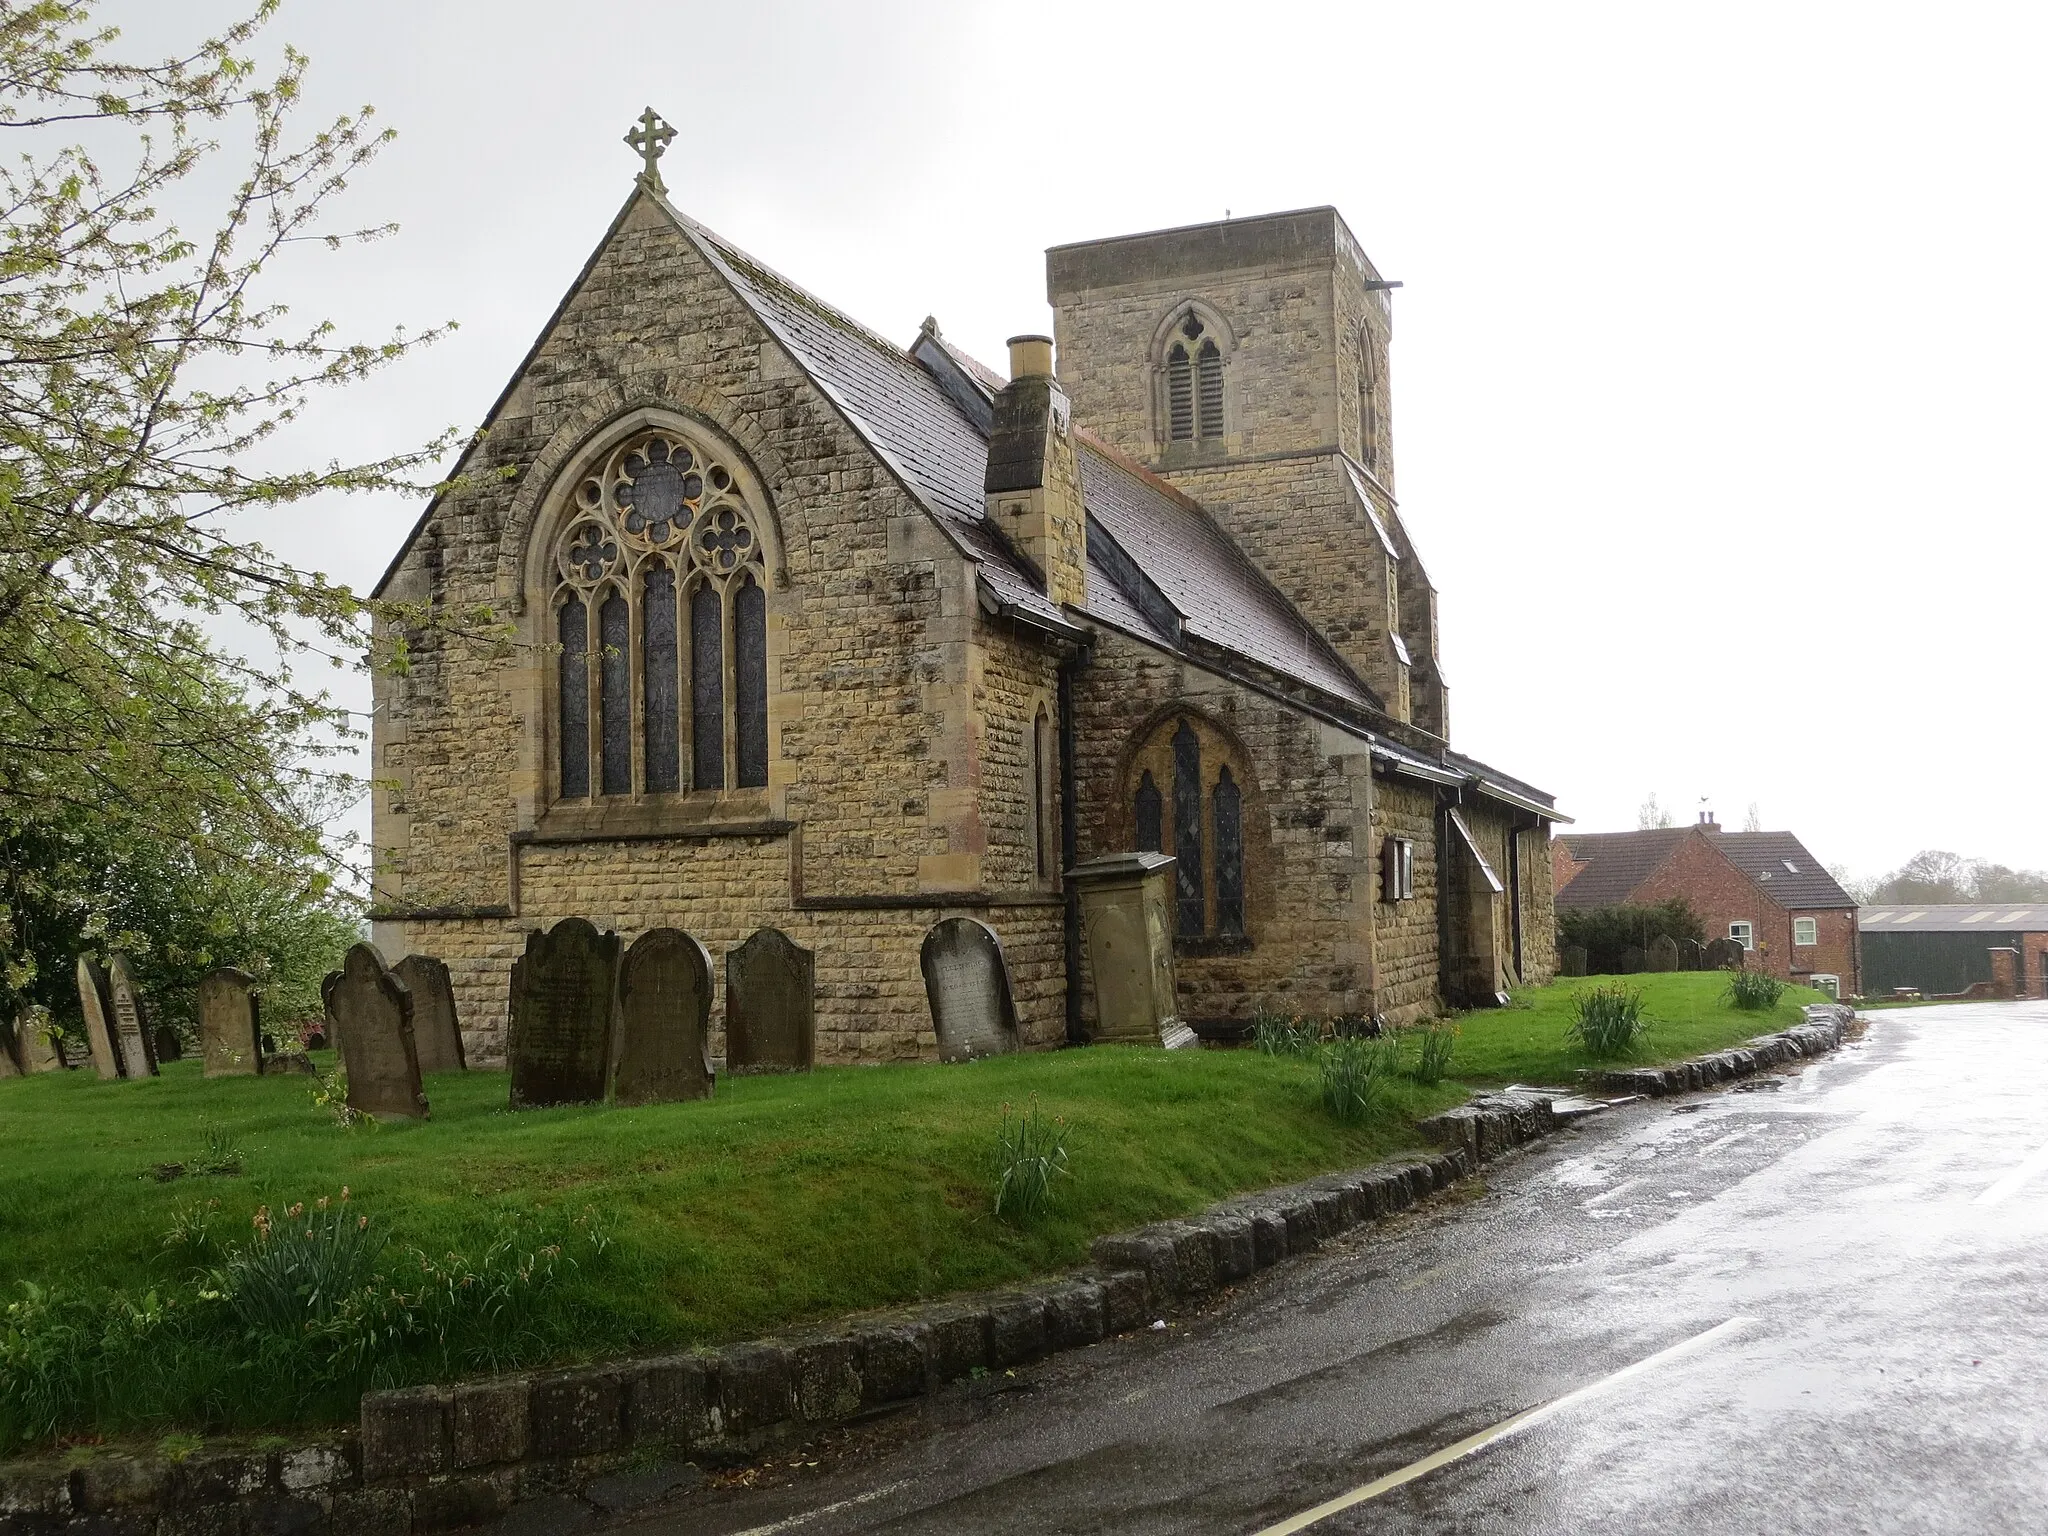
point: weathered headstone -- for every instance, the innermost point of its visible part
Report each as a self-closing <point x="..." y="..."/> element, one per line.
<point x="230" y="1043"/>
<point x="664" y="1020"/>
<point x="770" y="1004"/>
<point x="75" y="1054"/>
<point x="10" y="1051"/>
<point x="434" y="1028"/>
<point x="377" y="1044"/>
<point x="327" y="985"/>
<point x="138" y="1055"/>
<point x="1127" y="915"/>
<point x="564" y="1013"/>
<point x="967" y="984"/>
<point x="168" y="1046"/>
<point x="1663" y="954"/>
<point x="1691" y="955"/>
<point x="34" y="1040"/>
<point x="1571" y="960"/>
<point x="1631" y="961"/>
<point x="1725" y="955"/>
<point x="99" y="1020"/>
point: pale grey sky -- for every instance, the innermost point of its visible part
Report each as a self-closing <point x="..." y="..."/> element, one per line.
<point x="1716" y="380"/>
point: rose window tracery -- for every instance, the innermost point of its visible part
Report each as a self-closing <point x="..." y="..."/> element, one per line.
<point x="661" y="616"/>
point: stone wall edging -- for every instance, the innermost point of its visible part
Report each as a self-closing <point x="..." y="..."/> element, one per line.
<point x="438" y="1458"/>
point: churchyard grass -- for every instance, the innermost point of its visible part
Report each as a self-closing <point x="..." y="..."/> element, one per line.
<point x="1688" y="1014"/>
<point x="784" y="1200"/>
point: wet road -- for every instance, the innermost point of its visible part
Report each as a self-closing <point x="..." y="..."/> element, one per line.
<point x="1870" y="1236"/>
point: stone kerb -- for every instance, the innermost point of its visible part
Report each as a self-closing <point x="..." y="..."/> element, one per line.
<point x="1825" y="1027"/>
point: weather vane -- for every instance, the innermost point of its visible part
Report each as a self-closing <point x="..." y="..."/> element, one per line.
<point x="650" y="139"/>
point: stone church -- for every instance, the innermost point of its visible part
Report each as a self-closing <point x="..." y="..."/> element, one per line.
<point x="821" y="632"/>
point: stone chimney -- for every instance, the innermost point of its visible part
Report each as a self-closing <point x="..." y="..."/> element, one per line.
<point x="1033" y="487"/>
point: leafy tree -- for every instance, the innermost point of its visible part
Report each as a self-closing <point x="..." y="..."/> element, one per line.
<point x="1934" y="876"/>
<point x="145" y="377"/>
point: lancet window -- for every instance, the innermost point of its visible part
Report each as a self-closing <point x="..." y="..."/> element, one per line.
<point x="1198" y="817"/>
<point x="661" y="618"/>
<point x="1194" y="384"/>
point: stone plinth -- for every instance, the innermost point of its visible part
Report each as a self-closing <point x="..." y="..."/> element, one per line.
<point x="1126" y="910"/>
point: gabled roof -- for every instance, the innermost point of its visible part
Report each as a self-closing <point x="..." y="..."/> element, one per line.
<point x="1616" y="863"/>
<point x="1779" y="863"/>
<point x="1967" y="917"/>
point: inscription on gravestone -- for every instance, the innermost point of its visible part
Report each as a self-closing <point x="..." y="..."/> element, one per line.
<point x="434" y="1028"/>
<point x="564" y="1011"/>
<point x="230" y="1044"/>
<point x="664" y="1020"/>
<point x="376" y="1038"/>
<point x="770" y="1004"/>
<point x="99" y="1025"/>
<point x="967" y="984"/>
<point x="138" y="1055"/>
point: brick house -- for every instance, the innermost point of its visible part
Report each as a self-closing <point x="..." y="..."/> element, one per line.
<point x="1761" y="888"/>
<point x="818" y="631"/>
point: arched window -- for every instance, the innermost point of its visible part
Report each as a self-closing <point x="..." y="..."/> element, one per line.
<point x="1194" y="384"/>
<point x="1044" y="812"/>
<point x="1371" y="403"/>
<point x="1201" y="810"/>
<point x="661" y="547"/>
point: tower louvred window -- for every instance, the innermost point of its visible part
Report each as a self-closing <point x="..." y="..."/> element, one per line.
<point x="1209" y="393"/>
<point x="661" y="548"/>
<point x="1180" y="395"/>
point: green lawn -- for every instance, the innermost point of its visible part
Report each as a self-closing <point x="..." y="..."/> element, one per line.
<point x="782" y="1200"/>
<point x="1688" y="1012"/>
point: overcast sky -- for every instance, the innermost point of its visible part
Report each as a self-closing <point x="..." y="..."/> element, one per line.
<point x="1717" y="380"/>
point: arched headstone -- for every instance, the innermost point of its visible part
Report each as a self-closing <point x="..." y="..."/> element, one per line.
<point x="34" y="1040"/>
<point x="564" y="1011"/>
<point x="230" y="1044"/>
<point x="664" y="1020"/>
<point x="770" y="1004"/>
<point x="138" y="1055"/>
<point x="99" y="1020"/>
<point x="967" y="984"/>
<point x="327" y="985"/>
<point x="1663" y="954"/>
<point x="1724" y="955"/>
<point x="1571" y="960"/>
<point x="376" y="1038"/>
<point x="10" y="1051"/>
<point x="434" y="1029"/>
<point x="1691" y="954"/>
<point x="167" y="1044"/>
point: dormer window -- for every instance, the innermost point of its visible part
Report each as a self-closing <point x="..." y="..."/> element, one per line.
<point x="1194" y="384"/>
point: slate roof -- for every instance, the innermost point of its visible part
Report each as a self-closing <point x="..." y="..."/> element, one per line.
<point x="1779" y="862"/>
<point x="1618" y="862"/>
<point x="1966" y="917"/>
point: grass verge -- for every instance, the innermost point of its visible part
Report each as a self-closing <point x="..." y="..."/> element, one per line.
<point x="1687" y="1013"/>
<point x="781" y="1201"/>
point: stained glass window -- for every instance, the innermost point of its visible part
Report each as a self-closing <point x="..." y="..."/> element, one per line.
<point x="573" y="632"/>
<point x="614" y="693"/>
<point x="750" y="679"/>
<point x="1150" y="816"/>
<point x="707" y="688"/>
<point x="1226" y="809"/>
<point x="1191" y="911"/>
<point x="661" y="718"/>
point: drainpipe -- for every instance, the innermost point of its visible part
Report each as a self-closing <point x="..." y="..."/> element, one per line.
<point x="1070" y="842"/>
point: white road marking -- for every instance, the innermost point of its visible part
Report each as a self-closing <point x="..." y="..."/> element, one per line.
<point x="2014" y="1180"/>
<point x="1608" y="1194"/>
<point x="830" y="1509"/>
<point x="1500" y="1431"/>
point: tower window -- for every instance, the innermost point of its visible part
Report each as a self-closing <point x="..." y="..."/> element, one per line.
<point x="1194" y="385"/>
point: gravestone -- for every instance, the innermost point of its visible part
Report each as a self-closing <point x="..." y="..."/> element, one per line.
<point x="168" y="1046"/>
<point x="138" y="1055"/>
<point x="434" y="1030"/>
<point x="564" y="1013"/>
<point x="1663" y="954"/>
<point x="99" y="1020"/>
<point x="664" y="1020"/>
<point x="230" y="1043"/>
<point x="1126" y="902"/>
<point x="376" y="1034"/>
<point x="1724" y="955"/>
<point x="75" y="1055"/>
<point x="967" y="984"/>
<point x="32" y="1038"/>
<point x="1631" y="961"/>
<point x="10" y="1051"/>
<point x="1691" y="954"/>
<point x="1571" y="960"/>
<point x="770" y="1004"/>
<point x="327" y="985"/>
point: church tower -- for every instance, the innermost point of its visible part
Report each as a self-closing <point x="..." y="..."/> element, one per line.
<point x="1246" y="361"/>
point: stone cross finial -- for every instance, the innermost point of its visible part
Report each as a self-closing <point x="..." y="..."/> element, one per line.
<point x="650" y="139"/>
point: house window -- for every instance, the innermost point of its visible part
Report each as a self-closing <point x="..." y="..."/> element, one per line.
<point x="1194" y="384"/>
<point x="1397" y="869"/>
<point x="1805" y="931"/>
<point x="661" y="552"/>
<point x="1743" y="934"/>
<point x="1199" y="804"/>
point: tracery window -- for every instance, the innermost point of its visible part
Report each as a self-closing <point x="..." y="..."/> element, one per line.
<point x="1202" y="808"/>
<point x="661" y="551"/>
<point x="1194" y="384"/>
